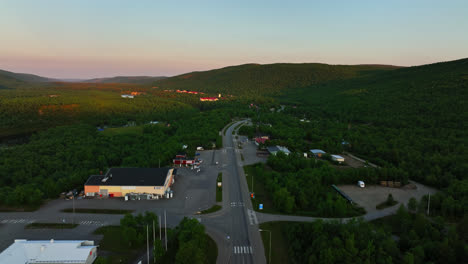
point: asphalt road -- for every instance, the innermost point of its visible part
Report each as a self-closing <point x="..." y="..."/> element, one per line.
<point x="234" y="228"/>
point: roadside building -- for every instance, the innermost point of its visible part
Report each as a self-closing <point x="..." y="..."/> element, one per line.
<point x="318" y="153"/>
<point x="209" y="99"/>
<point x="119" y="182"/>
<point x="337" y="158"/>
<point x="261" y="139"/>
<point x="275" y="149"/>
<point x="49" y="251"/>
<point x="127" y="96"/>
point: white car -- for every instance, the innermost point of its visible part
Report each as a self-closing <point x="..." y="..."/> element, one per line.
<point x="361" y="184"/>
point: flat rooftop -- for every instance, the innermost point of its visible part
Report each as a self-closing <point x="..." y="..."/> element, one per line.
<point x="131" y="177"/>
<point x="47" y="251"/>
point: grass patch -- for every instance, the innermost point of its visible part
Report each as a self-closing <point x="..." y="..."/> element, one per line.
<point x="111" y="243"/>
<point x="226" y="127"/>
<point x="97" y="211"/>
<point x="261" y="195"/>
<point x="211" y="249"/>
<point x="50" y="226"/>
<point x="236" y="127"/>
<point x="279" y="243"/>
<point x="19" y="209"/>
<point x="131" y="130"/>
<point x="388" y="203"/>
<point x="219" y="190"/>
<point x="213" y="209"/>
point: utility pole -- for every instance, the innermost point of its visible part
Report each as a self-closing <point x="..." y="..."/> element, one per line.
<point x="147" y="243"/>
<point x="73" y="198"/>
<point x="428" y="204"/>
<point x="252" y="183"/>
<point x="165" y="228"/>
<point x="154" y="244"/>
<point x="160" y="223"/>
<point x="269" y="252"/>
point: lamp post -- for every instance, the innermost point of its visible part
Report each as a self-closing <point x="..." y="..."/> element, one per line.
<point x="269" y="251"/>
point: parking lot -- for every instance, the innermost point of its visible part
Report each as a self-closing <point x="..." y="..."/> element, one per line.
<point x="192" y="192"/>
<point x="372" y="195"/>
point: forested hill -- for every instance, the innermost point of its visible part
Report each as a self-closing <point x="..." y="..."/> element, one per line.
<point x="126" y="79"/>
<point x="10" y="80"/>
<point x="429" y="95"/>
<point x="260" y="80"/>
<point x="413" y="118"/>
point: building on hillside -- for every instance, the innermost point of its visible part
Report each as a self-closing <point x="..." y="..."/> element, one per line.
<point x="209" y="99"/>
<point x="118" y="182"/>
<point x="261" y="139"/>
<point x="318" y="153"/>
<point x="49" y="251"/>
<point x="127" y="96"/>
<point x="337" y="158"/>
<point x="275" y="149"/>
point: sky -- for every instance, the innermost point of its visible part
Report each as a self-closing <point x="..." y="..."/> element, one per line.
<point x="89" y="38"/>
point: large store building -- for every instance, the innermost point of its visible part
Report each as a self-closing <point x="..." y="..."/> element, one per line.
<point x="119" y="182"/>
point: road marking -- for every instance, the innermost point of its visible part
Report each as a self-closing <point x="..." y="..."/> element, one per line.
<point x="252" y="217"/>
<point x="243" y="250"/>
<point x="17" y="221"/>
<point x="92" y="223"/>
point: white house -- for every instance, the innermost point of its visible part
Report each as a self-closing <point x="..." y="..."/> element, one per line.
<point x="274" y="149"/>
<point x="50" y="251"/>
<point x="337" y="158"/>
<point x="127" y="96"/>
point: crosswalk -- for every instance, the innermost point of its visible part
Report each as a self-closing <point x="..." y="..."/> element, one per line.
<point x="96" y="223"/>
<point x="242" y="250"/>
<point x="237" y="204"/>
<point x="252" y="217"/>
<point x="17" y="221"/>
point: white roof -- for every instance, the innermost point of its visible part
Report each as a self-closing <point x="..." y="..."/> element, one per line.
<point x="47" y="251"/>
<point x="316" y="151"/>
<point x="337" y="157"/>
<point x="283" y="149"/>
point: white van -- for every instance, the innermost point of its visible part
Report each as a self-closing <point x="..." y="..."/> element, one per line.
<point x="361" y="184"/>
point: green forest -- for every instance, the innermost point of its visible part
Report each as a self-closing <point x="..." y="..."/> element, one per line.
<point x="62" y="158"/>
<point x="410" y="121"/>
<point x="303" y="186"/>
<point x="186" y="243"/>
<point x="402" y="238"/>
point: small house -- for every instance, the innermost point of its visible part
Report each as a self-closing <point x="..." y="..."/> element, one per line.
<point x="275" y="149"/>
<point x="318" y="153"/>
<point x="337" y="158"/>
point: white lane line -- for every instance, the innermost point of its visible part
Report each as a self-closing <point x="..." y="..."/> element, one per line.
<point x="235" y="250"/>
<point x="251" y="251"/>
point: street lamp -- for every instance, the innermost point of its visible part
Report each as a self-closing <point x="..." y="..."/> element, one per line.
<point x="269" y="252"/>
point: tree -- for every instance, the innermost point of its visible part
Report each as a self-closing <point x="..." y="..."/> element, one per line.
<point x="390" y="200"/>
<point x="412" y="204"/>
<point x="158" y="250"/>
<point x="408" y="258"/>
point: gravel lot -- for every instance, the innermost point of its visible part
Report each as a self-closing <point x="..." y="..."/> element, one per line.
<point x="372" y="195"/>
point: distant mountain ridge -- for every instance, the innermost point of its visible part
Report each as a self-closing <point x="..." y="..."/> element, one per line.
<point x="126" y="79"/>
<point x="257" y="79"/>
<point x="9" y="80"/>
